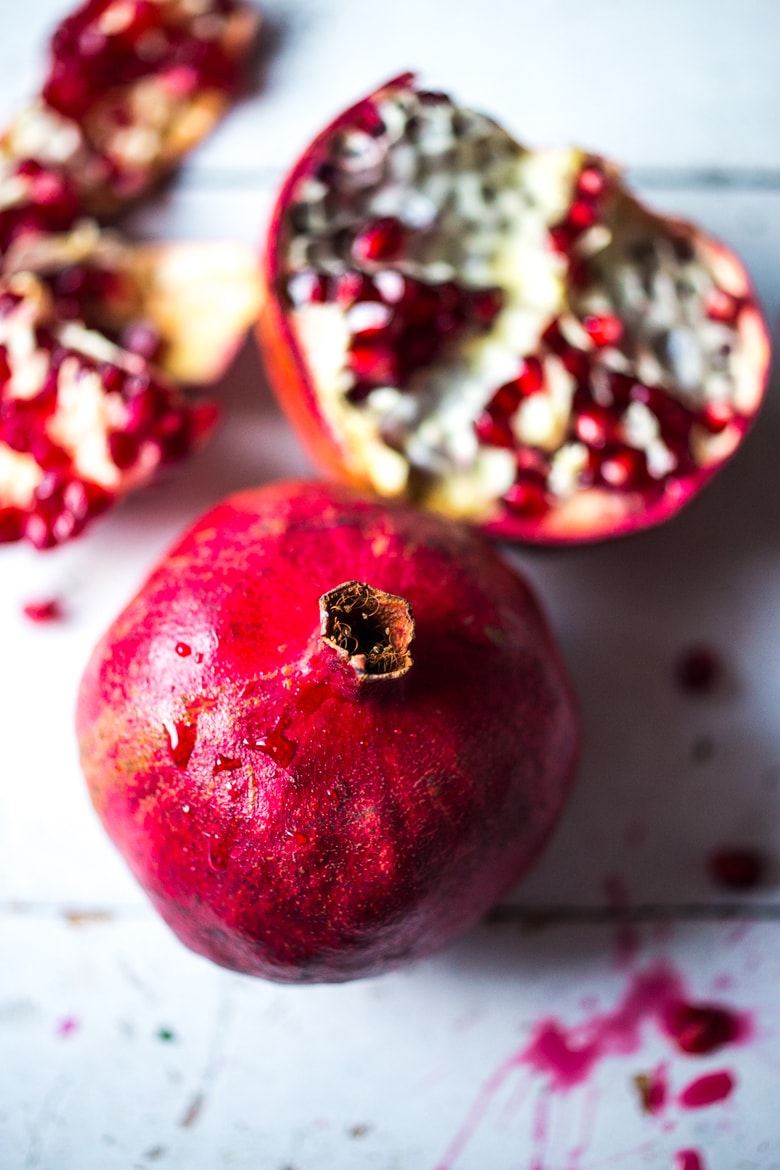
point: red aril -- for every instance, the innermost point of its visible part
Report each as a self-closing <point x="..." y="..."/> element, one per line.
<point x="82" y="422"/>
<point x="650" y="349"/>
<point x="304" y="792"/>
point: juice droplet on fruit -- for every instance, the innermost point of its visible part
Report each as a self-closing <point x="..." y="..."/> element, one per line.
<point x="707" y="1090"/>
<point x="219" y="854"/>
<point x="310" y="696"/>
<point x="274" y="744"/>
<point x="181" y="737"/>
<point x="225" y="764"/>
<point x="183" y="650"/>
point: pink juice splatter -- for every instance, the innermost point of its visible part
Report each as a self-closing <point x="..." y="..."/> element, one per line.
<point x="565" y="1056"/>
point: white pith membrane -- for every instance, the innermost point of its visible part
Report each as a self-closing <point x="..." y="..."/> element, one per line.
<point x="649" y="329"/>
<point x="64" y="399"/>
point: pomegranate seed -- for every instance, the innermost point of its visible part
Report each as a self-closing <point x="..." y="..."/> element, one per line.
<point x="699" y="1029"/>
<point x="351" y="287"/>
<point x="527" y="497"/>
<point x="506" y="399"/>
<point x="374" y="362"/>
<point x="123" y="448"/>
<point x="698" y="670"/>
<point x="591" y="181"/>
<point x="582" y="215"/>
<point x="381" y="240"/>
<point x="688" y="1160"/>
<point x="11" y="524"/>
<point x="624" y="389"/>
<point x="307" y="288"/>
<point x="737" y="868"/>
<point x="715" y="417"/>
<point x="49" y="610"/>
<point x="485" y="304"/>
<point x="624" y="468"/>
<point x="594" y="426"/>
<point x="85" y="500"/>
<point x="530" y="379"/>
<point x="532" y="460"/>
<point x="606" y="330"/>
<point x="494" y="429"/>
<point x="721" y="306"/>
<point x="368" y="119"/>
<point x="418" y="348"/>
<point x="421" y="303"/>
<point x="563" y="236"/>
<point x="38" y="531"/>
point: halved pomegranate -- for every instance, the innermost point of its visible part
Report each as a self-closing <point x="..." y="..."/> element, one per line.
<point x="132" y="85"/>
<point x="504" y="335"/>
<point x="82" y="421"/>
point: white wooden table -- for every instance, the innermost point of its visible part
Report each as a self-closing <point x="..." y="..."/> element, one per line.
<point x="120" y="1049"/>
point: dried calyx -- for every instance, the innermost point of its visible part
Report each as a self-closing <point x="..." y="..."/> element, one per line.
<point x="370" y="629"/>
<point x="505" y="334"/>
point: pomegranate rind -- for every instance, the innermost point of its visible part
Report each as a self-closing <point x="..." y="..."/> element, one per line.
<point x="591" y="513"/>
<point x="286" y="818"/>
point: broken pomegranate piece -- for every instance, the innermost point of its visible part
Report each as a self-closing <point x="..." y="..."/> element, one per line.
<point x="132" y="86"/>
<point x="82" y="421"/>
<point x="507" y="336"/>
<point x="186" y="306"/>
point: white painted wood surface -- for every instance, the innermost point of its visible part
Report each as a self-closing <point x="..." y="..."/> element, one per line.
<point x="120" y="1049"/>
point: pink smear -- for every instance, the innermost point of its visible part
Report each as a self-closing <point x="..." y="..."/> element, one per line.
<point x="707" y="1090"/>
<point x="50" y="610"/>
<point x="67" y="1026"/>
<point x="566" y="1055"/>
<point x="688" y="1160"/>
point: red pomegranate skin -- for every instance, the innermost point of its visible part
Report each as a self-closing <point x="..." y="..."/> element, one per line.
<point x="288" y="818"/>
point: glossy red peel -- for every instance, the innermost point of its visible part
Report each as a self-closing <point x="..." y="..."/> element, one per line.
<point x="327" y="734"/>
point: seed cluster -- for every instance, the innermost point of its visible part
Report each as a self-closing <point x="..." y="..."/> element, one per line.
<point x="81" y="421"/>
<point x="131" y="85"/>
<point x="511" y="319"/>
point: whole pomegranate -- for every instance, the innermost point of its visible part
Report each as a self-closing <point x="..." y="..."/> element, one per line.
<point x="507" y="336"/>
<point x="299" y="798"/>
